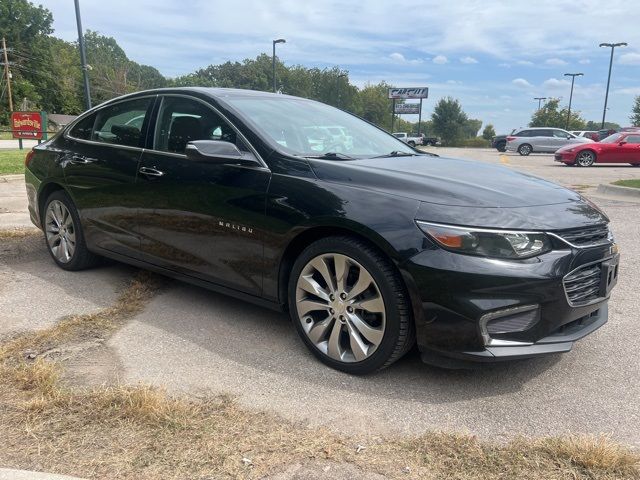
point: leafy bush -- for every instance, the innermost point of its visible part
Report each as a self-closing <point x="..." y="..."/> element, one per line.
<point x="477" y="142"/>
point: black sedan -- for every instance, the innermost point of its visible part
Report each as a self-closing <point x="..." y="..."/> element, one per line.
<point x="371" y="245"/>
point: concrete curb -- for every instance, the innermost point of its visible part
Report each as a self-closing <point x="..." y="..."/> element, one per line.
<point x="10" y="474"/>
<point x="618" y="191"/>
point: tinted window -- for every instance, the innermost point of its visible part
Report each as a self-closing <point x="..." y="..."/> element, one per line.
<point x="182" y="120"/>
<point x="82" y="129"/>
<point x="543" y="133"/>
<point x="121" y="124"/>
<point x="524" y="133"/>
<point x="633" y="139"/>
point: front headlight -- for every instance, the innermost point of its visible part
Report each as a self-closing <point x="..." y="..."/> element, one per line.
<point x="487" y="243"/>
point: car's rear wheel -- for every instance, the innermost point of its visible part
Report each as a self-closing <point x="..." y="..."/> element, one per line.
<point x="63" y="233"/>
<point x="350" y="306"/>
<point x="525" y="149"/>
<point x="586" y="158"/>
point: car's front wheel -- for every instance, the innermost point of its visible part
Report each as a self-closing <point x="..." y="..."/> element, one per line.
<point x="350" y="305"/>
<point x="585" y="158"/>
<point x="412" y="143"/>
<point x="525" y="149"/>
<point x="501" y="146"/>
<point x="63" y="233"/>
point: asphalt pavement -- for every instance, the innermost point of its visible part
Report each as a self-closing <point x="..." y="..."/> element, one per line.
<point x="194" y="341"/>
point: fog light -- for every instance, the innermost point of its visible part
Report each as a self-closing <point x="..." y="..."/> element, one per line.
<point x="510" y="320"/>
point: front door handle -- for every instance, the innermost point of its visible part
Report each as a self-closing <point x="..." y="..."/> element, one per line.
<point x="153" y="172"/>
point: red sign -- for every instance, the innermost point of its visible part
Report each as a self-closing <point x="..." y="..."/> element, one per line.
<point x="27" y="125"/>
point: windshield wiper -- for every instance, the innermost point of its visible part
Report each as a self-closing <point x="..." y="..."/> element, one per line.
<point x="396" y="153"/>
<point x="331" y="156"/>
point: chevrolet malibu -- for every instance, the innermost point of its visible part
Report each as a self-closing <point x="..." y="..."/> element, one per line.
<point x="370" y="245"/>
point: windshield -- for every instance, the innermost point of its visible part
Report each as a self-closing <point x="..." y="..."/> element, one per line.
<point x="307" y="128"/>
<point x="612" y="138"/>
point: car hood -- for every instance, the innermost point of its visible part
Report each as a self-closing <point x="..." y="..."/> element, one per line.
<point x="445" y="181"/>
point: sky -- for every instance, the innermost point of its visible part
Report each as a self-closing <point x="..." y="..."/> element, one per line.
<point x="495" y="56"/>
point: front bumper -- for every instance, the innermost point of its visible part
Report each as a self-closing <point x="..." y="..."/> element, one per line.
<point x="453" y="293"/>
<point x="565" y="157"/>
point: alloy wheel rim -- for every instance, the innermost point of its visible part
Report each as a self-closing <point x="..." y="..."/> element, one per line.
<point x="340" y="307"/>
<point x="525" y="149"/>
<point x="585" y="159"/>
<point x="60" y="231"/>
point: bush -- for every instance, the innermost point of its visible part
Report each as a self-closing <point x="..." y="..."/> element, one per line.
<point x="477" y="142"/>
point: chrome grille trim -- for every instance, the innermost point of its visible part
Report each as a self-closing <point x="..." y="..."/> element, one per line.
<point x="582" y="284"/>
<point x="585" y="237"/>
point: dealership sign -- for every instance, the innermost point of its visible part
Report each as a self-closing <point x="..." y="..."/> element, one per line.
<point x="27" y="125"/>
<point x="407" y="108"/>
<point x="404" y="93"/>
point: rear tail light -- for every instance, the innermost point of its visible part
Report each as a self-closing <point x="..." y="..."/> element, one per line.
<point x="510" y="139"/>
<point x="28" y="158"/>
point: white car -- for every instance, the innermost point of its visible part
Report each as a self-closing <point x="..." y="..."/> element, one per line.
<point x="411" y="141"/>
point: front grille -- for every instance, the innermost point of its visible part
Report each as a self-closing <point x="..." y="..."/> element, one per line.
<point x="586" y="236"/>
<point x="583" y="285"/>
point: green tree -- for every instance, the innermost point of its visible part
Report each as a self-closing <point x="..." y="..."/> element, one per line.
<point x="489" y="132"/>
<point x="635" y="112"/>
<point x="471" y="128"/>
<point x="375" y="105"/>
<point x="550" y="115"/>
<point x="591" y="125"/>
<point x="449" y="121"/>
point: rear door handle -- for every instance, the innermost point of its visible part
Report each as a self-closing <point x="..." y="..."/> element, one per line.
<point x="151" y="172"/>
<point x="81" y="160"/>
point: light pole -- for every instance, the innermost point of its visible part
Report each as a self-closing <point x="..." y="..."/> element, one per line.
<point x="341" y="75"/>
<point x="573" y="78"/>
<point x="539" y="101"/>
<point x="612" y="46"/>
<point x="273" y="60"/>
<point x="83" y="58"/>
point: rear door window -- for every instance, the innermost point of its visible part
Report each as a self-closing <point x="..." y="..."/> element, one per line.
<point x="122" y="123"/>
<point x="82" y="130"/>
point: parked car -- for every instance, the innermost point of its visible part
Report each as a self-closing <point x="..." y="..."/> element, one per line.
<point x="593" y="135"/>
<point x="499" y="142"/>
<point x="541" y="139"/>
<point x="411" y="141"/>
<point x="602" y="134"/>
<point x="371" y="250"/>
<point x="621" y="147"/>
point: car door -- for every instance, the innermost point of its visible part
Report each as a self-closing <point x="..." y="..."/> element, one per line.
<point x="541" y="140"/>
<point x="100" y="162"/>
<point x="201" y="218"/>
<point x="629" y="151"/>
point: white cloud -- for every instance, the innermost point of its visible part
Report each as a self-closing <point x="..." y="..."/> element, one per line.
<point x="556" y="84"/>
<point x="525" y="63"/>
<point x="521" y="82"/>
<point x="454" y="82"/>
<point x="504" y="65"/>
<point x="468" y="60"/>
<point x="584" y="61"/>
<point x="440" y="60"/>
<point x="629" y="91"/>
<point x="629" y="59"/>
<point x="555" y="62"/>
<point x="398" y="57"/>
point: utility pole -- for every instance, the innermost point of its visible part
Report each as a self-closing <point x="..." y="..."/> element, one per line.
<point x="8" y="73"/>
<point x="83" y="58"/>
<point x="273" y="60"/>
<point x="539" y="101"/>
<point x="606" y="96"/>
<point x="573" y="78"/>
<point x="341" y="75"/>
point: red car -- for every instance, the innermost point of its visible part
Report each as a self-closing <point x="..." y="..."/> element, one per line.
<point x="621" y="147"/>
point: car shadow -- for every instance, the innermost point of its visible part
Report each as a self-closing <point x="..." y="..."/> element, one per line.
<point x="266" y="342"/>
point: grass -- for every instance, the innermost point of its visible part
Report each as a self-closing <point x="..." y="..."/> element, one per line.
<point x="633" y="183"/>
<point x="140" y="432"/>
<point x="12" y="161"/>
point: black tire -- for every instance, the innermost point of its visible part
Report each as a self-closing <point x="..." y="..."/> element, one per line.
<point x="525" y="149"/>
<point x="399" y="331"/>
<point x="585" y="158"/>
<point x="412" y="143"/>
<point x="82" y="258"/>
<point x="501" y="146"/>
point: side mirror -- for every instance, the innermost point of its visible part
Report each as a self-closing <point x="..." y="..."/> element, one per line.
<point x="217" y="151"/>
<point x="623" y="142"/>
